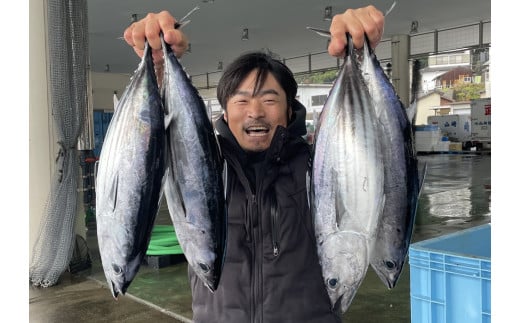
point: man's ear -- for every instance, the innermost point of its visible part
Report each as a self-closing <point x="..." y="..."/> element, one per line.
<point x="225" y="115"/>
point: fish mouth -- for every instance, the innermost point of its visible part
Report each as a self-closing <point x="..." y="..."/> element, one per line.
<point x="114" y="290"/>
<point x="212" y="288"/>
<point x="390" y="281"/>
<point x="118" y="288"/>
<point x="257" y="130"/>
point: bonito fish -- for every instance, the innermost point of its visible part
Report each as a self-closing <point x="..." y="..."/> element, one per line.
<point x="402" y="182"/>
<point x="194" y="187"/>
<point x="346" y="183"/>
<point x="129" y="177"/>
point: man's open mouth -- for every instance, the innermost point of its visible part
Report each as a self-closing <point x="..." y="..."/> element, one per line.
<point x="257" y="130"/>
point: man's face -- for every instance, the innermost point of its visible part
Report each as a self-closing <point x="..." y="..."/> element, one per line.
<point x="253" y="119"/>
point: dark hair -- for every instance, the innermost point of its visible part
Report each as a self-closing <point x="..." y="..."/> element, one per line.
<point x="238" y="70"/>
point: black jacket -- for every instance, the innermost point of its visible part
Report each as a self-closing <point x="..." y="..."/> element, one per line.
<point x="271" y="271"/>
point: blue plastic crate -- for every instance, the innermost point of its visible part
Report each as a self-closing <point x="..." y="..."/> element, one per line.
<point x="450" y="277"/>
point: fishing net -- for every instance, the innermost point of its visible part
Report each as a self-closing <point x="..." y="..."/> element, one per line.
<point x="80" y="259"/>
<point x="68" y="66"/>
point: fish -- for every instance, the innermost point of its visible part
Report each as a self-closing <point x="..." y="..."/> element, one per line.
<point x="347" y="196"/>
<point x="194" y="188"/>
<point x="130" y="177"/>
<point x="402" y="180"/>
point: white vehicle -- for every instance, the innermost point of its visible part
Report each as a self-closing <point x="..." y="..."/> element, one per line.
<point x="481" y="123"/>
<point x="457" y="127"/>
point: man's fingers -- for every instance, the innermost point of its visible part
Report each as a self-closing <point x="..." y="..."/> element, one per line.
<point x="373" y="22"/>
<point x="357" y="22"/>
<point x="177" y="40"/>
<point x="150" y="28"/>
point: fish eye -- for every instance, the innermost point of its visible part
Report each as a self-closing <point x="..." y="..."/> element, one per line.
<point x="204" y="267"/>
<point x="390" y="264"/>
<point x="332" y="282"/>
<point x="117" y="270"/>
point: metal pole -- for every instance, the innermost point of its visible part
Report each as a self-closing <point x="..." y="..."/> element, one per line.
<point x="401" y="66"/>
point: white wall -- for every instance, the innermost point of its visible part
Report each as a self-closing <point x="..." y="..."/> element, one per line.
<point x="307" y="91"/>
<point x="43" y="148"/>
<point x="103" y="87"/>
<point x="41" y="136"/>
<point x="461" y="108"/>
<point x="424" y="108"/>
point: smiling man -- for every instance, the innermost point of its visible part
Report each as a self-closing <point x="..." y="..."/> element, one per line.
<point x="256" y="106"/>
<point x="271" y="270"/>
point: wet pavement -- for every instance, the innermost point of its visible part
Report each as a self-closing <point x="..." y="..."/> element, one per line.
<point x="455" y="196"/>
<point x="80" y="299"/>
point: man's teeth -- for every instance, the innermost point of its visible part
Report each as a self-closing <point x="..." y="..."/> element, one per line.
<point x="257" y="129"/>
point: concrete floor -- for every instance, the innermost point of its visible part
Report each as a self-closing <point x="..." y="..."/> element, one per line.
<point x="155" y="295"/>
<point x="80" y="299"/>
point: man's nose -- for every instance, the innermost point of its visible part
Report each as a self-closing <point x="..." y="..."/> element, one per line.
<point x="256" y="109"/>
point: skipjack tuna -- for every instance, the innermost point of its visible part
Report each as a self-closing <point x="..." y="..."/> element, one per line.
<point x="194" y="187"/>
<point x="346" y="182"/>
<point x="402" y="184"/>
<point x="130" y="177"/>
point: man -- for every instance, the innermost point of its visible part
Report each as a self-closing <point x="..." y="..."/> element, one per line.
<point x="271" y="271"/>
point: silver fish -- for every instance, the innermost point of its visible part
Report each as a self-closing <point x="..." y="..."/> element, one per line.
<point x="194" y="187"/>
<point x="346" y="183"/>
<point x="402" y="182"/>
<point x="130" y="177"/>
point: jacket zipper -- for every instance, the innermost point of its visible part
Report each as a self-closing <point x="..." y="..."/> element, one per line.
<point x="250" y="236"/>
<point x="248" y="218"/>
<point x="251" y="211"/>
<point x="274" y="226"/>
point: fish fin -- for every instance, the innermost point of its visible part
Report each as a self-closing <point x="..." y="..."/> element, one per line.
<point x="182" y="205"/>
<point x="112" y="195"/>
<point x="381" y="211"/>
<point x="411" y="112"/>
<point x="422" y="176"/>
<point x="163" y="181"/>
<point x="225" y="178"/>
<point x="168" y="117"/>
<point x="174" y="200"/>
<point x="172" y="192"/>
